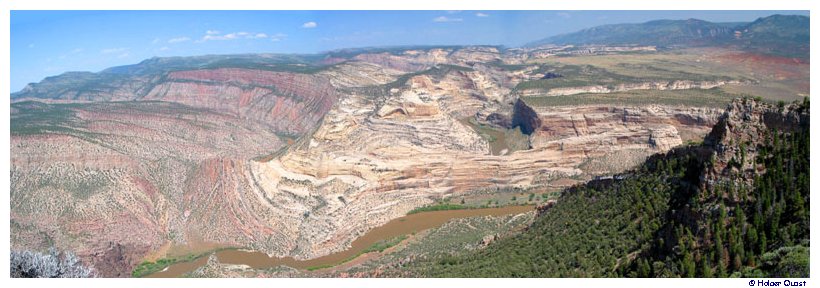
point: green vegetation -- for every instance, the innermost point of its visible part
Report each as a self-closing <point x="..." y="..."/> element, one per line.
<point x="147" y="267"/>
<point x="394" y="50"/>
<point x="299" y="63"/>
<point x="81" y="185"/>
<point x="714" y="97"/>
<point x="438" y="71"/>
<point x="499" y="138"/>
<point x="576" y="75"/>
<point x="454" y="236"/>
<point x="29" y="118"/>
<point x="657" y="33"/>
<point x="439" y="207"/>
<point x="509" y="67"/>
<point x="325" y="266"/>
<point x="32" y="117"/>
<point x="620" y="73"/>
<point x="782" y="35"/>
<point x="247" y="63"/>
<point x="375" y="247"/>
<point x="659" y="221"/>
<point x="383" y="245"/>
<point x="769" y="241"/>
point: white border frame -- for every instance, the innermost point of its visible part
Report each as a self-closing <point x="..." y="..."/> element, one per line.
<point x="8" y="5"/>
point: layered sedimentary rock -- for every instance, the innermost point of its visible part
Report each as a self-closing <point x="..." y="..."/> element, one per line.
<point x="359" y="74"/>
<point x="420" y="59"/>
<point x="181" y="166"/>
<point x="737" y="135"/>
<point x="287" y="102"/>
<point x="374" y="160"/>
<point x="599" y="89"/>
<point x="110" y="182"/>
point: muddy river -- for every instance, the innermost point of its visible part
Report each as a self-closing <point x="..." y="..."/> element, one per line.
<point x="396" y="227"/>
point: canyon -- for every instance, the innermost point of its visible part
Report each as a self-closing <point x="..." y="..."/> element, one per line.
<point x="300" y="162"/>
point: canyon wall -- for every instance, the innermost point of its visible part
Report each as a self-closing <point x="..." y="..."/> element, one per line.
<point x="623" y="87"/>
<point x="193" y="159"/>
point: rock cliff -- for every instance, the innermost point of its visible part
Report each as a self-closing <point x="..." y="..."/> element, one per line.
<point x="126" y="167"/>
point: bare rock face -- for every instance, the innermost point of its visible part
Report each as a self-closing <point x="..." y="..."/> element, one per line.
<point x="599" y="89"/>
<point x="525" y="117"/>
<point x="359" y="74"/>
<point x="734" y="138"/>
<point x="182" y="165"/>
<point x="289" y="102"/>
<point x="111" y="186"/>
<point x="385" y="156"/>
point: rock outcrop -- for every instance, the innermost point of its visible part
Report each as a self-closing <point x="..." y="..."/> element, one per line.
<point x="287" y="102"/>
<point x="410" y="149"/>
<point x="736" y="136"/>
<point x="111" y="183"/>
<point x="173" y="158"/>
<point x="603" y="89"/>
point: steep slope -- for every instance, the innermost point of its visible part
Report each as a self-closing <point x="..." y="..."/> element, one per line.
<point x="680" y="214"/>
<point x="286" y="96"/>
<point x="658" y="33"/>
<point x="112" y="181"/>
<point x="177" y="156"/>
<point x="782" y="35"/>
<point x="375" y="158"/>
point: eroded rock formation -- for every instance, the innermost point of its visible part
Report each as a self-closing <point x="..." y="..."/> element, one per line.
<point x="381" y="134"/>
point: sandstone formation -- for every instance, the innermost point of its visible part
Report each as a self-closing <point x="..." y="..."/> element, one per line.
<point x="744" y="123"/>
<point x="374" y="160"/>
<point x="175" y="159"/>
<point x="599" y="89"/>
<point x="113" y="187"/>
<point x="287" y="102"/>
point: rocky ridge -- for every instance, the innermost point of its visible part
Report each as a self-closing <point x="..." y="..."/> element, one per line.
<point x="602" y="89"/>
<point x="177" y="165"/>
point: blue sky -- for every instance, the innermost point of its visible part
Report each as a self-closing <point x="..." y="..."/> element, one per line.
<point x="47" y="43"/>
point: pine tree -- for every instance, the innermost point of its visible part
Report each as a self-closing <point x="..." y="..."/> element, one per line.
<point x="705" y="268"/>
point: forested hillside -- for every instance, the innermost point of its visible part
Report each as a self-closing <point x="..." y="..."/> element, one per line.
<point x="737" y="205"/>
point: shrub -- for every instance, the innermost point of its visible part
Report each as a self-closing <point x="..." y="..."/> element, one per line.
<point x="28" y="264"/>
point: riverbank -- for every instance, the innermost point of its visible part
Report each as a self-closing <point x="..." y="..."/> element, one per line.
<point x="396" y="228"/>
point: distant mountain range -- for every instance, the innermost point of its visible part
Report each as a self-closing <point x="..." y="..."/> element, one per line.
<point x="781" y="35"/>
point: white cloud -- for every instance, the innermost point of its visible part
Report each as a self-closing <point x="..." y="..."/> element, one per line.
<point x="447" y="19"/>
<point x="278" y="37"/>
<point x="178" y="40"/>
<point x="113" y="50"/>
<point x="564" y="15"/>
<point x="229" y="36"/>
<point x="211" y="32"/>
<point x="123" y="55"/>
<point x="164" y="48"/>
<point x="156" y="40"/>
<point x="310" y="24"/>
<point x="479" y="14"/>
<point x="239" y="35"/>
